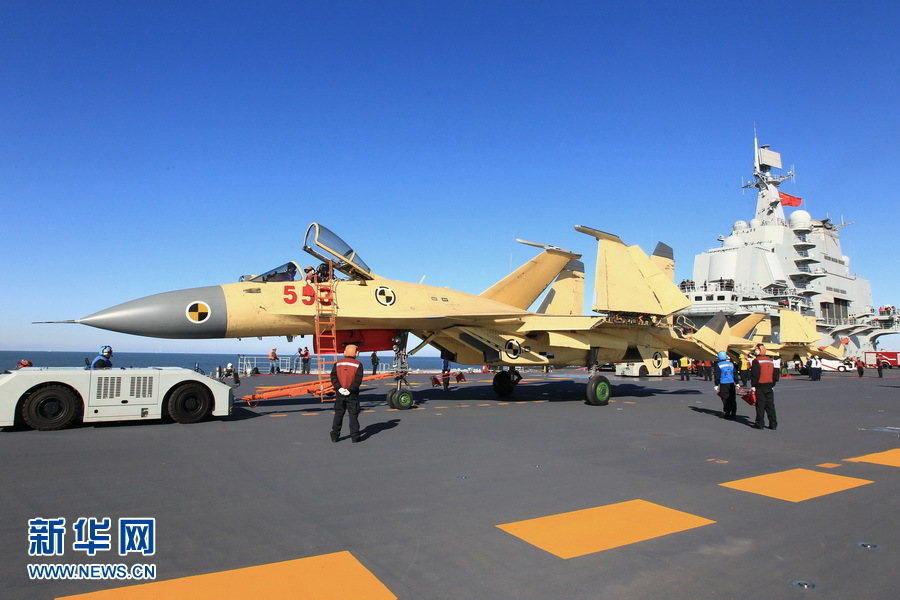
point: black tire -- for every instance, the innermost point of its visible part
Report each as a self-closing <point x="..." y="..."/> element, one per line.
<point x="391" y="398"/>
<point x="50" y="407"/>
<point x="667" y="372"/>
<point x="404" y="400"/>
<point x="598" y="391"/>
<point x="503" y="384"/>
<point x="189" y="403"/>
<point x="643" y="372"/>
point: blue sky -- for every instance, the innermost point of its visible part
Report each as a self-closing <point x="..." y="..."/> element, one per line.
<point x="155" y="146"/>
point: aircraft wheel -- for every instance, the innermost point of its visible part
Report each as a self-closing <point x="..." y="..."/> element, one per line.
<point x="404" y="400"/>
<point x="598" y="391"/>
<point x="189" y="403"/>
<point x="391" y="398"/>
<point x="503" y="384"/>
<point x="49" y="408"/>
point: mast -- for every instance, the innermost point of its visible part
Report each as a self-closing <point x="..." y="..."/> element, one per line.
<point x="768" y="201"/>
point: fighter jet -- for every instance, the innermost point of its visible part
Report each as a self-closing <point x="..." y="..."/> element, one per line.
<point x="343" y="301"/>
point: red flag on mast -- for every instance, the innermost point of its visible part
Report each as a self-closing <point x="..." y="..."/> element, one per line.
<point x="788" y="200"/>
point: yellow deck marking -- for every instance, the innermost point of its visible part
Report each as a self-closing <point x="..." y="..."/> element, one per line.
<point x="337" y="575"/>
<point x="502" y="403"/>
<point x="484" y="405"/>
<point x="462" y="406"/>
<point x="442" y="407"/>
<point x="888" y="458"/>
<point x="628" y="402"/>
<point x="581" y="532"/>
<point x="309" y="414"/>
<point x="829" y="465"/>
<point x="277" y="415"/>
<point x="796" y="485"/>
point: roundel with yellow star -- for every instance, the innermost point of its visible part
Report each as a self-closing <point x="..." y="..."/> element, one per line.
<point x="198" y="312"/>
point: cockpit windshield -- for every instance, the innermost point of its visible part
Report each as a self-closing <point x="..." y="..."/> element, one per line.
<point x="322" y="243"/>
<point x="286" y="272"/>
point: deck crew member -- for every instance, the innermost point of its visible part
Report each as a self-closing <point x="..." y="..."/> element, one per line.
<point x="744" y="370"/>
<point x="763" y="377"/>
<point x="723" y="377"/>
<point x="346" y="377"/>
<point x="102" y="361"/>
<point x="814" y="366"/>
<point x="685" y="368"/>
<point x="273" y="361"/>
<point x="304" y="358"/>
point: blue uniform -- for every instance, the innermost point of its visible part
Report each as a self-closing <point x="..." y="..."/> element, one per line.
<point x="723" y="376"/>
<point x="101" y="362"/>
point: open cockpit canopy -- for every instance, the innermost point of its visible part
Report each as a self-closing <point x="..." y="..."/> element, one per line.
<point x="325" y="245"/>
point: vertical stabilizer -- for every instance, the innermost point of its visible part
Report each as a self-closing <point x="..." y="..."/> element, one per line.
<point x="835" y="350"/>
<point x="628" y="281"/>
<point x="797" y="329"/>
<point x="715" y="336"/>
<point x="523" y="286"/>
<point x="745" y="326"/>
<point x="664" y="257"/>
<point x="566" y="296"/>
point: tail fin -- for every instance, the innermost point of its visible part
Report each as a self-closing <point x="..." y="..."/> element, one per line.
<point x="664" y="257"/>
<point x="745" y="326"/>
<point x="795" y="328"/>
<point x="628" y="281"/>
<point x="715" y="336"/>
<point x="566" y="296"/>
<point x="523" y="286"/>
<point x="835" y="350"/>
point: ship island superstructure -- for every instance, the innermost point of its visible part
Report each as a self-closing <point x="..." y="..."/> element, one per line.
<point x="772" y="263"/>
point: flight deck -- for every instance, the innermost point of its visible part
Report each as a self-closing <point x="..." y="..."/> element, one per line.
<point x="538" y="495"/>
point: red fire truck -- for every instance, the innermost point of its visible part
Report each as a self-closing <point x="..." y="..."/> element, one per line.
<point x="887" y="358"/>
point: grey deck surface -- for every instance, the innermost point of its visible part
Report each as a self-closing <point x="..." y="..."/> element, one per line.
<point x="418" y="502"/>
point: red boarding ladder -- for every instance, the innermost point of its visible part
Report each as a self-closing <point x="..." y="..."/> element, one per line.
<point x="326" y="331"/>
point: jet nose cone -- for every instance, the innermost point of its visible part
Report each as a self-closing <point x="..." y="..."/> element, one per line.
<point x="184" y="314"/>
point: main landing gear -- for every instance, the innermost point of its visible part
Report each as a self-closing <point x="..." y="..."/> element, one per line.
<point x="505" y="382"/>
<point x="598" y="390"/>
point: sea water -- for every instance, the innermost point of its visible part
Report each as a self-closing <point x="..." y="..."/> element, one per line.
<point x="205" y="363"/>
